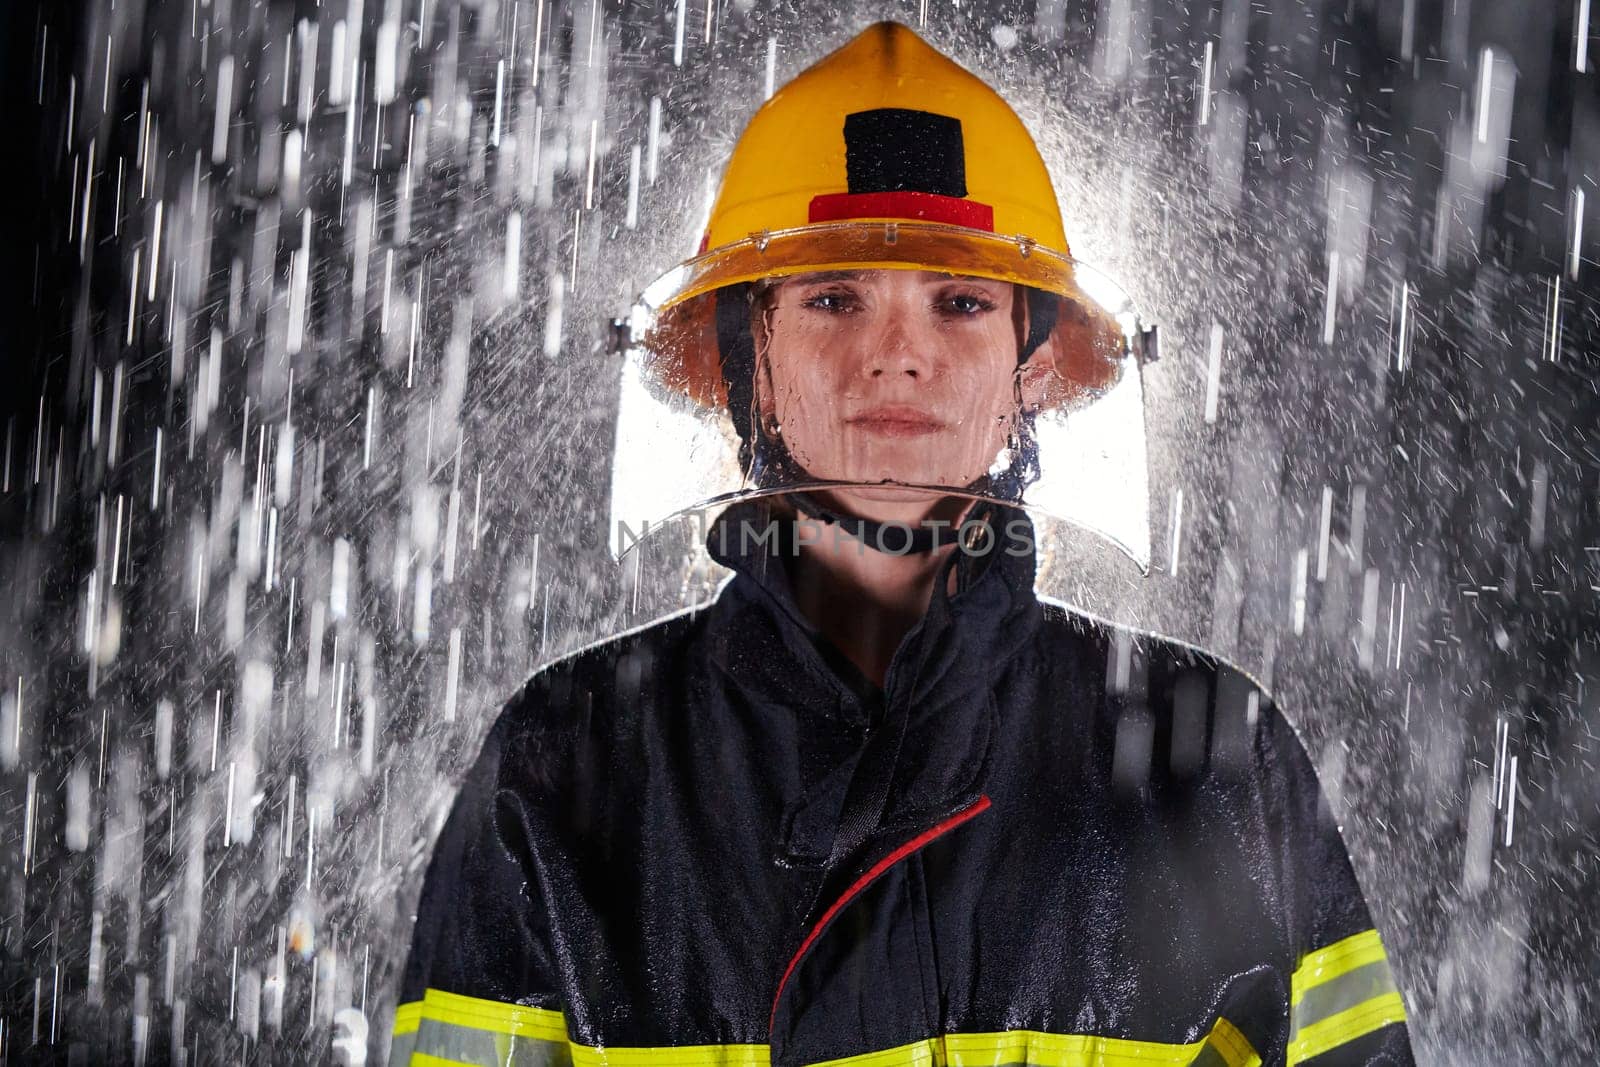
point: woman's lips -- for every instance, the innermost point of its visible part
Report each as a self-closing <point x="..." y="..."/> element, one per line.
<point x="896" y="421"/>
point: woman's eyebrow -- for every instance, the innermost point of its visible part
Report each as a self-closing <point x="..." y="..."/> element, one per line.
<point x="816" y="277"/>
<point x="930" y="277"/>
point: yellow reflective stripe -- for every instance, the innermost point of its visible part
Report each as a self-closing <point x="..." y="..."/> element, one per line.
<point x="1235" y="1048"/>
<point x="600" y="1055"/>
<point x="444" y="1026"/>
<point x="450" y="1030"/>
<point x="403" y="1041"/>
<point x="918" y="1053"/>
<point x="1341" y="957"/>
<point x="1340" y="993"/>
<point x="406" y="1017"/>
<point x="672" y="1056"/>
<point x="1348" y="1025"/>
<point x="1038" y="1049"/>
<point x="517" y="1020"/>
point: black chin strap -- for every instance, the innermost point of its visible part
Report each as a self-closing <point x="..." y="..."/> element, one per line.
<point x="895" y="539"/>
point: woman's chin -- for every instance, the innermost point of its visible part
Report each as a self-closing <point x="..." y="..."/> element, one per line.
<point x="893" y="494"/>
<point x="895" y="503"/>
<point x="899" y="482"/>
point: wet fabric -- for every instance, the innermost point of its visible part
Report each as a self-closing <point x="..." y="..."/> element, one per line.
<point x="713" y="841"/>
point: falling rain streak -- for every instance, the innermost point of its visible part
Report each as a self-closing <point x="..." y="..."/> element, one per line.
<point x="306" y="465"/>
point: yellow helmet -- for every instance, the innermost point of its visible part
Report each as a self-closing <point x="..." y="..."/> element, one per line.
<point x="885" y="154"/>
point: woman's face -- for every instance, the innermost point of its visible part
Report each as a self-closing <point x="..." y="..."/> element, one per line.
<point x="891" y="374"/>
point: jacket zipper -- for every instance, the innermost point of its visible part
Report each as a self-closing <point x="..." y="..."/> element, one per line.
<point x="873" y="874"/>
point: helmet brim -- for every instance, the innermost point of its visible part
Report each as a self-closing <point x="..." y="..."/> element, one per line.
<point x="1094" y="327"/>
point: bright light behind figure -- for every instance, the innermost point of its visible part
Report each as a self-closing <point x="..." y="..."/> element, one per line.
<point x="1106" y="491"/>
<point x="675" y="455"/>
<point x="669" y="457"/>
<point x="1101" y="289"/>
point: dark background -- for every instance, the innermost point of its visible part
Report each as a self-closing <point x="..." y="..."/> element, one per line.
<point x="1396" y="526"/>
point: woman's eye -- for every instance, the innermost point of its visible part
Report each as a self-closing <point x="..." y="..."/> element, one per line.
<point x="968" y="303"/>
<point x="833" y="302"/>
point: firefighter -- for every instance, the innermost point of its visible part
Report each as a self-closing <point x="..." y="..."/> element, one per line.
<point x="879" y="803"/>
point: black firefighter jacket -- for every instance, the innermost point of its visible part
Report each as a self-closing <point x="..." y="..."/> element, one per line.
<point x="711" y="842"/>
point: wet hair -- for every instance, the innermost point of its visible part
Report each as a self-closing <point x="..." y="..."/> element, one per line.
<point x="736" y="345"/>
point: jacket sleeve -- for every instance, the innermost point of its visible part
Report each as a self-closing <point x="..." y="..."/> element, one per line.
<point x="480" y="982"/>
<point x="1345" y="1008"/>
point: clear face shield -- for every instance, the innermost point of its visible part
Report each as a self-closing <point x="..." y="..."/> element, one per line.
<point x="892" y="371"/>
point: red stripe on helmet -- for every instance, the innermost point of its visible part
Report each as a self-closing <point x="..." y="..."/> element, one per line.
<point x="906" y="204"/>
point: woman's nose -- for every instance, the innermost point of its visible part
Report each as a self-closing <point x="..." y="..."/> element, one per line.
<point x="898" y="347"/>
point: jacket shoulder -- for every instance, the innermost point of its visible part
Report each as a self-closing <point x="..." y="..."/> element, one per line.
<point x="1199" y="708"/>
<point x="575" y="704"/>
<point x="599" y="670"/>
<point x="1135" y="656"/>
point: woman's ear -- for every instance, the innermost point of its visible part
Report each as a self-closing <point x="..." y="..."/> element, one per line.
<point x="1040" y="381"/>
<point x="1040" y="384"/>
<point x="1037" y="378"/>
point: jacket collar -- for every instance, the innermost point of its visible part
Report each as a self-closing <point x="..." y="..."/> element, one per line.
<point x="753" y="539"/>
<point x="937" y="700"/>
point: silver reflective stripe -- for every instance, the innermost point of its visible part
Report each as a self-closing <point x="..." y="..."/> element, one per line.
<point x="1346" y="991"/>
<point x="400" y="1049"/>
<point x="466" y="1044"/>
<point x="1209" y="1056"/>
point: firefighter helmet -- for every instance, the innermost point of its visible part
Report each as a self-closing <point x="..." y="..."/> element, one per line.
<point x="884" y="156"/>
